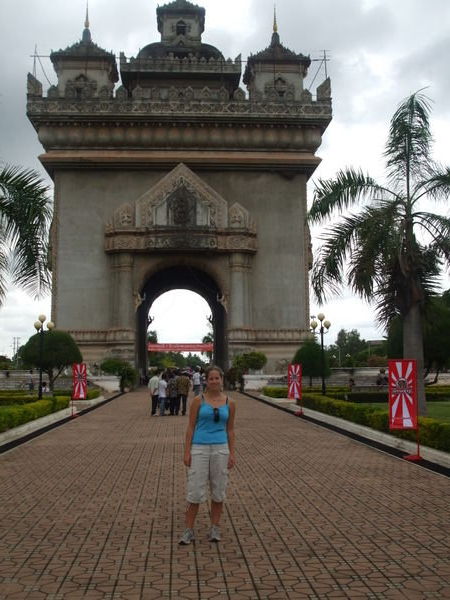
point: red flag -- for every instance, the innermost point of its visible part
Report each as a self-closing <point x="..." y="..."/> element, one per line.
<point x="402" y="394"/>
<point x="79" y="379"/>
<point x="294" y="381"/>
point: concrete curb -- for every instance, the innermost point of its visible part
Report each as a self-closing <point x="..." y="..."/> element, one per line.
<point x="23" y="433"/>
<point x="379" y="438"/>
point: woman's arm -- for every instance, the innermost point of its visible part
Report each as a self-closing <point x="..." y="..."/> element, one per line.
<point x="193" y="412"/>
<point x="231" y="436"/>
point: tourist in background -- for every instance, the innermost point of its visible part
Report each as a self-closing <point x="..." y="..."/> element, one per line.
<point x="197" y="381"/>
<point x="172" y="392"/>
<point x="162" y="394"/>
<point x="153" y="385"/>
<point x="183" y="387"/>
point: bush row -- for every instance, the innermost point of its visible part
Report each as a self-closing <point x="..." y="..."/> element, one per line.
<point x="432" y="394"/>
<point x="433" y="433"/>
<point x="8" y="399"/>
<point x="13" y="416"/>
<point x="91" y="393"/>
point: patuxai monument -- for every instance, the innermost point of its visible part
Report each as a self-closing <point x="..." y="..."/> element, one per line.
<point x="180" y="169"/>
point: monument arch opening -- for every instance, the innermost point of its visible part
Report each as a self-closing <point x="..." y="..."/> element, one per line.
<point x="186" y="278"/>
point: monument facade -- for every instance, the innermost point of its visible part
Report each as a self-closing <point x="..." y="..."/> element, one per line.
<point x="175" y="177"/>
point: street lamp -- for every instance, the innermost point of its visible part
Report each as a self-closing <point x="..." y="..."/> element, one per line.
<point x="324" y="327"/>
<point x="39" y="326"/>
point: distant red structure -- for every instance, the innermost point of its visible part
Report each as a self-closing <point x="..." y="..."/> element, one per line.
<point x="180" y="347"/>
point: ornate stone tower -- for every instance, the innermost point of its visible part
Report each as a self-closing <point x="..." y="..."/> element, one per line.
<point x="177" y="179"/>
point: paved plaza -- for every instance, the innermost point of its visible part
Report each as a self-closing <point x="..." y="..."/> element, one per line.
<point x="94" y="509"/>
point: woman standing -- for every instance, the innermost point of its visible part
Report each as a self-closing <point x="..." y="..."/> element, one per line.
<point x="209" y="452"/>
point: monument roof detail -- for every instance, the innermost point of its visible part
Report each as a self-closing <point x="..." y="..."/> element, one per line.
<point x="86" y="49"/>
<point x="275" y="53"/>
<point x="180" y="7"/>
<point x="83" y="48"/>
<point x="160" y="50"/>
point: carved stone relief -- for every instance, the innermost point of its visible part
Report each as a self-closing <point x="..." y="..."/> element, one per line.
<point x="181" y="212"/>
<point x="210" y="207"/>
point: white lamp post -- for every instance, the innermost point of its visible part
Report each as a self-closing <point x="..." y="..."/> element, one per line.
<point x="324" y="327"/>
<point x="39" y="326"/>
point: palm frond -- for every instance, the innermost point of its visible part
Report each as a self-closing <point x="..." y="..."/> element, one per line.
<point x="349" y="187"/>
<point x="437" y="227"/>
<point x="25" y="214"/>
<point x="408" y="147"/>
<point x="341" y="242"/>
<point x="437" y="186"/>
<point x="377" y="239"/>
<point x="398" y="290"/>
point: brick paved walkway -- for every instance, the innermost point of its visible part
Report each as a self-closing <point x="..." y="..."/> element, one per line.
<point x="94" y="509"/>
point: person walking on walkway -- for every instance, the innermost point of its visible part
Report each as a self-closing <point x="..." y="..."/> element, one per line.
<point x="197" y="381"/>
<point x="153" y="385"/>
<point x="183" y="387"/>
<point x="162" y="394"/>
<point x="172" y="392"/>
<point x="209" y="452"/>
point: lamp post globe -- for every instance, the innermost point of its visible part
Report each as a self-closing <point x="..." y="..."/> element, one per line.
<point x="324" y="327"/>
<point x="39" y="326"/>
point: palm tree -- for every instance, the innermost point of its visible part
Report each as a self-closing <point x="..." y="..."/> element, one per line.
<point x="390" y="250"/>
<point x="25" y="215"/>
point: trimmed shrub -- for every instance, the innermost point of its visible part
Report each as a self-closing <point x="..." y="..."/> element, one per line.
<point x="13" y="416"/>
<point x="17" y="399"/>
<point x="433" y="433"/>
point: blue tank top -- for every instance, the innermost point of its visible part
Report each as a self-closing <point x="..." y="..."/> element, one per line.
<point x="208" y="431"/>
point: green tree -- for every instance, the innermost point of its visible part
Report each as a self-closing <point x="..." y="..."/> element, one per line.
<point x="348" y="343"/>
<point x="25" y="215"/>
<point x="390" y="250"/>
<point x="117" y="366"/>
<point x="59" y="351"/>
<point x="250" y="360"/>
<point x="310" y="357"/>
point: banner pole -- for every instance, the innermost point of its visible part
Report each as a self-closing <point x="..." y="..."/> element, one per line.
<point x="415" y="457"/>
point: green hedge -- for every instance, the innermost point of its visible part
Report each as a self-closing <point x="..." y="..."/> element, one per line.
<point x="91" y="393"/>
<point x="13" y="416"/>
<point x="433" y="433"/>
<point x="435" y="394"/>
<point x="17" y="399"/>
<point x="9" y="399"/>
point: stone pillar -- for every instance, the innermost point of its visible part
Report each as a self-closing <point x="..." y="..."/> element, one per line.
<point x="122" y="305"/>
<point x="239" y="290"/>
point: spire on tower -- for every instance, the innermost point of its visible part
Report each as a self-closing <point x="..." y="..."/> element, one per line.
<point x="87" y="39"/>
<point x="275" y="36"/>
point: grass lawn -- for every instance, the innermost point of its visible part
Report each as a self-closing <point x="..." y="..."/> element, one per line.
<point x="436" y="410"/>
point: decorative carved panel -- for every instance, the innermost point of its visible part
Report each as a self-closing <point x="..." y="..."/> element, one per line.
<point x="181" y="212"/>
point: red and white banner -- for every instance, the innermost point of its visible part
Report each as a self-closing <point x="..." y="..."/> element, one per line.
<point x="294" y="381"/>
<point x="402" y="394"/>
<point x="79" y="380"/>
<point x="180" y="347"/>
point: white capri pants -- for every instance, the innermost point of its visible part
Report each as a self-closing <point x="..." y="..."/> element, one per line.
<point x="208" y="463"/>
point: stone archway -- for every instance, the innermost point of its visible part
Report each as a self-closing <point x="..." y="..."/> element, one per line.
<point x="189" y="278"/>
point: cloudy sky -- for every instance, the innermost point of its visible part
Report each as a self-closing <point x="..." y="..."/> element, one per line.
<point x="380" y="52"/>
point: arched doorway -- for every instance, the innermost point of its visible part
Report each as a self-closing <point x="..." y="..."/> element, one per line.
<point x="188" y="278"/>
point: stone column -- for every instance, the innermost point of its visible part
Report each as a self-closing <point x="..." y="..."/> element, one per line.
<point x="239" y="291"/>
<point x="122" y="305"/>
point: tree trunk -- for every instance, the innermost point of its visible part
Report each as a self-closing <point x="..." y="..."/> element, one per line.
<point x="413" y="348"/>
